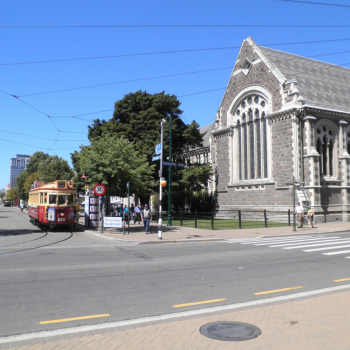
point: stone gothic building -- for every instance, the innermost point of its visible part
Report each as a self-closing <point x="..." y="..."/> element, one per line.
<point x="283" y="116"/>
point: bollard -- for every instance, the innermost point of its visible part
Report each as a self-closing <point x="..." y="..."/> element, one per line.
<point x="239" y="219"/>
<point x="180" y="217"/>
<point x="212" y="219"/>
<point x="265" y="219"/>
<point x="195" y="219"/>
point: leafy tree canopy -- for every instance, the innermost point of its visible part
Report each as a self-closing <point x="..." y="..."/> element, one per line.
<point x="2" y="195"/>
<point x="113" y="161"/>
<point x="137" y="118"/>
<point x="42" y="167"/>
<point x="12" y="193"/>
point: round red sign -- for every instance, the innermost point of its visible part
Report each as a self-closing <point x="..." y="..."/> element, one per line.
<point x="99" y="190"/>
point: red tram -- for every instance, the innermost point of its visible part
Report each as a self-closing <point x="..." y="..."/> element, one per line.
<point x="53" y="204"/>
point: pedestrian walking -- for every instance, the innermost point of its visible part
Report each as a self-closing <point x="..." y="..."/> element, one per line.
<point x="299" y="211"/>
<point x="22" y="206"/>
<point x="310" y="217"/>
<point x="137" y="214"/>
<point x="146" y="217"/>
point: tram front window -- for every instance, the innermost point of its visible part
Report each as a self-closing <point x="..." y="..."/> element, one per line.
<point x="52" y="198"/>
<point x="61" y="199"/>
<point x="71" y="199"/>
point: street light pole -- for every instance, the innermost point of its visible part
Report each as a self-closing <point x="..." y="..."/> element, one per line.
<point x="160" y="178"/>
<point x="294" y="228"/>
<point x="169" y="185"/>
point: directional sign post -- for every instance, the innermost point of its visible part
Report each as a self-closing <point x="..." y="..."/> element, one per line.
<point x="158" y="149"/>
<point x="179" y="165"/>
<point x="155" y="158"/>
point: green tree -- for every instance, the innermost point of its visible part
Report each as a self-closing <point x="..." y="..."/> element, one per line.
<point x="2" y="195"/>
<point x="47" y="168"/>
<point x="113" y="161"/>
<point x="12" y="193"/>
<point x="137" y="118"/>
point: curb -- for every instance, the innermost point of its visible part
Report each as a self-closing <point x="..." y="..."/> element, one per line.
<point x="183" y="241"/>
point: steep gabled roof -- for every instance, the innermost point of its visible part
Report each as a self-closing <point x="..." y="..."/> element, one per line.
<point x="206" y="132"/>
<point x="321" y="84"/>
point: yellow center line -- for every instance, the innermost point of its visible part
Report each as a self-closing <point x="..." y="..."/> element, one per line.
<point x="277" y="290"/>
<point x="74" y="319"/>
<point x="344" y="279"/>
<point x="200" y="302"/>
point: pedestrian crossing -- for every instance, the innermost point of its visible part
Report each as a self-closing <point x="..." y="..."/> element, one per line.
<point x="325" y="245"/>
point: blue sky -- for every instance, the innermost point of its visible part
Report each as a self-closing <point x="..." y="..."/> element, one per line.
<point x="20" y="45"/>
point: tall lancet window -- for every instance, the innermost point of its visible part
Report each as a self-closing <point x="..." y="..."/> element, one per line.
<point x="325" y="143"/>
<point x="251" y="139"/>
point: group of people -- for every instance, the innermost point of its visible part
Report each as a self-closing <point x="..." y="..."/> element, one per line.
<point x="299" y="212"/>
<point x="136" y="214"/>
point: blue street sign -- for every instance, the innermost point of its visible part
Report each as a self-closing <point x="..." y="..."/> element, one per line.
<point x="155" y="158"/>
<point x="179" y="165"/>
<point x="158" y="149"/>
<point x="127" y="185"/>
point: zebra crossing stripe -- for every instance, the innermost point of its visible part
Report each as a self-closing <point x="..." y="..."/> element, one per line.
<point x="307" y="241"/>
<point x="316" y="245"/>
<point x="327" y="248"/>
<point x="341" y="252"/>
<point x="259" y="241"/>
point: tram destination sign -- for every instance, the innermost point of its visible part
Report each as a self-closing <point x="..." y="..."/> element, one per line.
<point x="99" y="190"/>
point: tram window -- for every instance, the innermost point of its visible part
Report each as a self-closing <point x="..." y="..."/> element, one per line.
<point x="61" y="199"/>
<point x="41" y="197"/>
<point x="71" y="199"/>
<point x="45" y="197"/>
<point x="52" y="198"/>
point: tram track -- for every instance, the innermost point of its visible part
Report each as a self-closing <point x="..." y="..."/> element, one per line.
<point x="33" y="248"/>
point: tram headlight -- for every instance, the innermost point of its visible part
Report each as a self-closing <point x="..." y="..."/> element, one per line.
<point x="61" y="214"/>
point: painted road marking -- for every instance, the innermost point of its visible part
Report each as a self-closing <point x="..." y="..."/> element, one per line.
<point x="277" y="290"/>
<point x="344" y="279"/>
<point x="200" y="302"/>
<point x="106" y="326"/>
<point x="74" y="319"/>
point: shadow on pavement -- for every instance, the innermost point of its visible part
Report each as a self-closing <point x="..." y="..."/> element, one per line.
<point x="17" y="232"/>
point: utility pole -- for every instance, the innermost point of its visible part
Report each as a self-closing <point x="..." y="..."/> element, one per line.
<point x="169" y="184"/>
<point x="127" y="185"/>
<point x="160" y="180"/>
<point x="294" y="228"/>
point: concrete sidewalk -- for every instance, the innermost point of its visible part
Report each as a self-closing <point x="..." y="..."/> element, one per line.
<point x="175" y="234"/>
<point x="317" y="323"/>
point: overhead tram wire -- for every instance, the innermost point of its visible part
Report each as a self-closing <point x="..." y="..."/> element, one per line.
<point x="330" y="66"/>
<point x="302" y="2"/>
<point x="38" y="137"/>
<point x="160" y="77"/>
<point x="179" y="26"/>
<point x="170" y="52"/>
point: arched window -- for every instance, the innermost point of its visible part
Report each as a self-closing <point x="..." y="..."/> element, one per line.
<point x="325" y="141"/>
<point x="251" y="146"/>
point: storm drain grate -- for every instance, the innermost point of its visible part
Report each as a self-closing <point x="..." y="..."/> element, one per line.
<point x="230" y="331"/>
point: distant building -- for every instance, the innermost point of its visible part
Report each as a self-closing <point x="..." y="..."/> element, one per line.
<point x="7" y="188"/>
<point x="17" y="165"/>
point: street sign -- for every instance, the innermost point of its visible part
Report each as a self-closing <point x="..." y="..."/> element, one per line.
<point x="158" y="148"/>
<point x="155" y="158"/>
<point x="179" y="165"/>
<point x="127" y="185"/>
<point x="99" y="190"/>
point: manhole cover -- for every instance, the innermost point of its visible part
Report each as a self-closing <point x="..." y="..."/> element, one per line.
<point x="230" y="331"/>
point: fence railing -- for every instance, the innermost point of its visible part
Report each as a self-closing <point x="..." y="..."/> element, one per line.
<point x="230" y="219"/>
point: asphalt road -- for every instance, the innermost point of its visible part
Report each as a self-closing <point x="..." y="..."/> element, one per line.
<point x="64" y="275"/>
